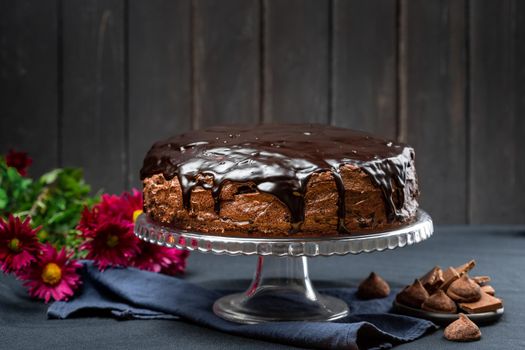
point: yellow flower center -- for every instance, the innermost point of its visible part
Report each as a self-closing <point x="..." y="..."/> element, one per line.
<point x="112" y="241"/>
<point x="14" y="245"/>
<point x="51" y="274"/>
<point x="136" y="214"/>
<point x="42" y="235"/>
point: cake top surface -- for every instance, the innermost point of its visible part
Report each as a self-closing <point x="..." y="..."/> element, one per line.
<point x="302" y="147"/>
<point x="277" y="158"/>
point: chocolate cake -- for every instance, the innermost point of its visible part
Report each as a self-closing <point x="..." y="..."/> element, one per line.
<point x="280" y="180"/>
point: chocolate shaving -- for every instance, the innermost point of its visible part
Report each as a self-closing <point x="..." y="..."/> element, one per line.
<point x="481" y="280"/>
<point x="449" y="275"/>
<point x="433" y="279"/>
<point x="466" y="267"/>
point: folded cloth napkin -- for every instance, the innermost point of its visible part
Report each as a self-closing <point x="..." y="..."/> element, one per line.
<point x="128" y="293"/>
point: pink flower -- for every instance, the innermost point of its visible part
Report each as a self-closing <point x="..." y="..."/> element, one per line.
<point x="53" y="275"/>
<point x="19" y="244"/>
<point x="156" y="258"/>
<point x="19" y="160"/>
<point x="110" y="243"/>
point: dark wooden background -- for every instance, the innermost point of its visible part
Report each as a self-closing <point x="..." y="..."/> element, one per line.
<point x="94" y="83"/>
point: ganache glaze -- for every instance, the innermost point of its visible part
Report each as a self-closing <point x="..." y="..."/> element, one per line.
<point x="279" y="159"/>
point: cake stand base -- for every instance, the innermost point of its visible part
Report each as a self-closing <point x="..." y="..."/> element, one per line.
<point x="281" y="290"/>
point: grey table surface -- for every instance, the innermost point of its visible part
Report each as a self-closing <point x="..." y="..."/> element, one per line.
<point x="499" y="252"/>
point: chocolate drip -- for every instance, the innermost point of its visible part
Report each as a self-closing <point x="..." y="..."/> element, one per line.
<point x="382" y="174"/>
<point x="279" y="159"/>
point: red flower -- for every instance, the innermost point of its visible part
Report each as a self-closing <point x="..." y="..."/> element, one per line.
<point x="19" y="160"/>
<point x="122" y="206"/>
<point x="18" y="244"/>
<point x="108" y="230"/>
<point x="111" y="243"/>
<point x="125" y="207"/>
<point x="156" y="258"/>
<point x="110" y="205"/>
<point x="89" y="220"/>
<point x="53" y="275"/>
<point x="178" y="264"/>
<point x="133" y="204"/>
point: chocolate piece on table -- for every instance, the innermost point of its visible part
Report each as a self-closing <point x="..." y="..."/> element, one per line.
<point x="439" y="302"/>
<point x="433" y="279"/>
<point x="466" y="267"/>
<point x="488" y="289"/>
<point x="413" y="295"/>
<point x="487" y="303"/>
<point x="449" y="275"/>
<point x="373" y="287"/>
<point x="481" y="280"/>
<point x="462" y="329"/>
<point x="464" y="290"/>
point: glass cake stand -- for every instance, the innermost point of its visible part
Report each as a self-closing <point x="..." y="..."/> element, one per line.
<point x="281" y="289"/>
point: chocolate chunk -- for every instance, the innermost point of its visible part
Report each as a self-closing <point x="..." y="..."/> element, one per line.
<point x="433" y="279"/>
<point x="449" y="275"/>
<point x="481" y="280"/>
<point x="488" y="289"/>
<point x="466" y="267"/>
<point x="373" y="287"/>
<point x="439" y="302"/>
<point x="463" y="329"/>
<point x="413" y="295"/>
<point x="486" y="303"/>
<point x="464" y="290"/>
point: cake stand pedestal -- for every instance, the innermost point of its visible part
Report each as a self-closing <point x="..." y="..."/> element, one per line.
<point x="281" y="289"/>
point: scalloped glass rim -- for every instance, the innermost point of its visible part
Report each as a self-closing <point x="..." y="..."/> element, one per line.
<point x="150" y="231"/>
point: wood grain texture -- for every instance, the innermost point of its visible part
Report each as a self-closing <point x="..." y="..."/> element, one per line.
<point x="296" y="60"/>
<point x="432" y="103"/>
<point x="364" y="72"/>
<point x="159" y="75"/>
<point x="94" y="83"/>
<point x="497" y="110"/>
<point x="28" y="81"/>
<point x="226" y="61"/>
<point x="94" y="126"/>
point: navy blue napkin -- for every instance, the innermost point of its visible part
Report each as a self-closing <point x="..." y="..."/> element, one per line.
<point x="128" y="293"/>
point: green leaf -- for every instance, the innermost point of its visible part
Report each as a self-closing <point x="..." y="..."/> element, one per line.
<point x="54" y="202"/>
<point x="3" y="199"/>
<point x="12" y="174"/>
<point x="51" y="176"/>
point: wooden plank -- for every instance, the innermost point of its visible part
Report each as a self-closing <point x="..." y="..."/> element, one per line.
<point x="94" y="125"/>
<point x="365" y="63"/>
<point x="432" y="102"/>
<point x="159" y="75"/>
<point x="296" y="60"/>
<point x="497" y="110"/>
<point x="28" y="81"/>
<point x="226" y="61"/>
